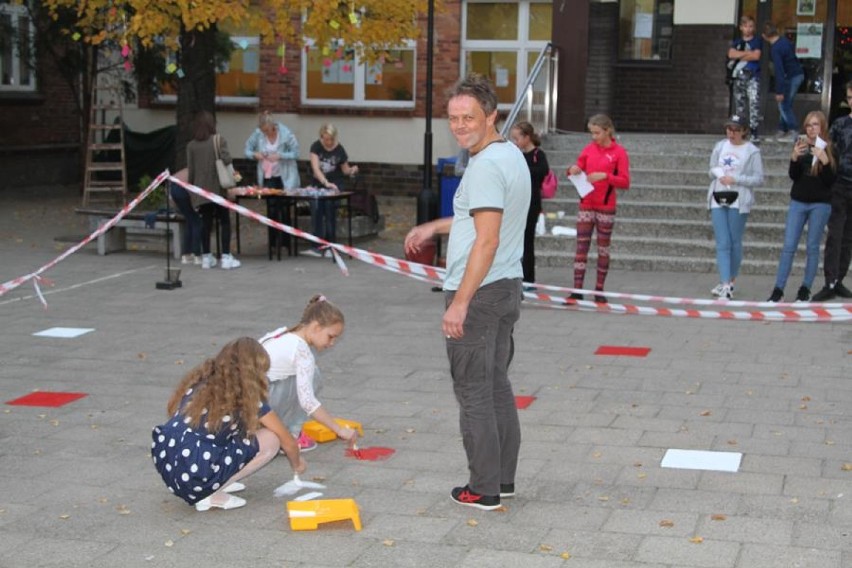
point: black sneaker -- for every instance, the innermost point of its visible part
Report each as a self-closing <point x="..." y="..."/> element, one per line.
<point x="507" y="490"/>
<point x="776" y="296"/>
<point x="464" y="496"/>
<point x="600" y="300"/>
<point x="827" y="293"/>
<point x="804" y="294"/>
<point x="842" y="290"/>
<point x="572" y="299"/>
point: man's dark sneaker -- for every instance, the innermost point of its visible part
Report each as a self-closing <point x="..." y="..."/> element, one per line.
<point x="600" y="299"/>
<point x="572" y="299"/>
<point x="804" y="294"/>
<point x="842" y="290"/>
<point x="827" y="293"/>
<point x="464" y="496"/>
<point x="507" y="490"/>
<point x="776" y="296"/>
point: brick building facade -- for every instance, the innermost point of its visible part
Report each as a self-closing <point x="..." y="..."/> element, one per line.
<point x="682" y="92"/>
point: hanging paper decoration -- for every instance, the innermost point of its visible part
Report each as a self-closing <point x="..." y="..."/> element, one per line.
<point x="179" y="73"/>
<point x="282" y="52"/>
<point x="75" y="36"/>
<point x="334" y="24"/>
<point x="171" y="68"/>
<point x="243" y="43"/>
<point x="353" y="18"/>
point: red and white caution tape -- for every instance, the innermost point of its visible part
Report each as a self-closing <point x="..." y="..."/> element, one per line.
<point x="36" y="276"/>
<point x="803" y="312"/>
<point x="390" y="263"/>
<point x="796" y="312"/>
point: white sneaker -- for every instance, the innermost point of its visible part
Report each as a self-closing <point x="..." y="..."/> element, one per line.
<point x="717" y="290"/>
<point x="190" y="259"/>
<point x="208" y="261"/>
<point x="229" y="262"/>
<point x="196" y="259"/>
<point x="727" y="292"/>
<point x="312" y="252"/>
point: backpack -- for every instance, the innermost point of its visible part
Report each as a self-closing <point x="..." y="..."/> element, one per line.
<point x="732" y="66"/>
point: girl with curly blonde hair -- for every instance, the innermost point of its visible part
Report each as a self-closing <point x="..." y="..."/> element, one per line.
<point x="221" y="428"/>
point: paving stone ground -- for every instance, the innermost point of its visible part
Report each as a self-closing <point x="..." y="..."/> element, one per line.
<point x="77" y="487"/>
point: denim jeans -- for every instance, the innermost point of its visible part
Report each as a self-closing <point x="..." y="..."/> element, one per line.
<point x="728" y="226"/>
<point x="192" y="237"/>
<point x="479" y="365"/>
<point x="816" y="216"/>
<point x="788" y="121"/>
<point x="324" y="216"/>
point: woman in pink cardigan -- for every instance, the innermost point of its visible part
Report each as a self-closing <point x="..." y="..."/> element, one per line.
<point x="607" y="168"/>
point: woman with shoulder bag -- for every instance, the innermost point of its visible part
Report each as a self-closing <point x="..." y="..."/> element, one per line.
<point x="813" y="170"/>
<point x="736" y="168"/>
<point x="201" y="154"/>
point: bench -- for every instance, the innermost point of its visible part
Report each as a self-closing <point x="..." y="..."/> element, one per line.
<point x="116" y="238"/>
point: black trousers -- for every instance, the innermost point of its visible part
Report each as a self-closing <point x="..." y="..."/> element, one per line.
<point x="838" y="244"/>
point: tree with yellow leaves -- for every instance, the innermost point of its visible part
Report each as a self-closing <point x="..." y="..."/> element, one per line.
<point x="188" y="27"/>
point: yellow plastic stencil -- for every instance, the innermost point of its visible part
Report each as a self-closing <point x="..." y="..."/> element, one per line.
<point x="320" y="433"/>
<point x="308" y="515"/>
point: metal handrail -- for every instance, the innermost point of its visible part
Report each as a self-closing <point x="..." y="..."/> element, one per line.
<point x="541" y="114"/>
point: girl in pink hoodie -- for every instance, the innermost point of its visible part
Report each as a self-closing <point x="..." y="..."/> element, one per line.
<point x="607" y="168"/>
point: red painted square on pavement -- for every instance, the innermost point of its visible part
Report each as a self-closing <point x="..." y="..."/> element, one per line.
<point x="523" y="401"/>
<point x="47" y="398"/>
<point x="623" y="351"/>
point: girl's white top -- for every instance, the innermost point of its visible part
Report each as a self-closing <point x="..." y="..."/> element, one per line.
<point x="290" y="355"/>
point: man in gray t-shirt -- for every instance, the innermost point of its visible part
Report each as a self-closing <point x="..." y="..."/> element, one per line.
<point x="483" y="290"/>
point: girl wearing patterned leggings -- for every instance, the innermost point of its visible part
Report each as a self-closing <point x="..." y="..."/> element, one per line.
<point x="607" y="168"/>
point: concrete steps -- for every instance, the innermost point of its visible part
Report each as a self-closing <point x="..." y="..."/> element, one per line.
<point x="663" y="222"/>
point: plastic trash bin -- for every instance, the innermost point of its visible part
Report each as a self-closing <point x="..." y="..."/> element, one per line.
<point x="449" y="183"/>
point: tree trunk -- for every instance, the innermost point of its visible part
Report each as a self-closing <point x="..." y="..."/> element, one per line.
<point x="197" y="86"/>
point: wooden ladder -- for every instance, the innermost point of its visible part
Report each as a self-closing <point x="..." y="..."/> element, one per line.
<point x="106" y="172"/>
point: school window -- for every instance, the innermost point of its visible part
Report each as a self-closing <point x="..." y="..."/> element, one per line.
<point x="502" y="40"/>
<point x="237" y="77"/>
<point x="16" y="49"/>
<point x="645" y="30"/>
<point x="335" y="76"/>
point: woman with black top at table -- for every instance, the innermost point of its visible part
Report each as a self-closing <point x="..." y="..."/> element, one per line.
<point x="329" y="167"/>
<point x="276" y="149"/>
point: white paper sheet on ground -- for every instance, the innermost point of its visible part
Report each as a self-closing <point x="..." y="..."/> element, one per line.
<point x="295" y="485"/>
<point x="308" y="496"/>
<point x="568" y="231"/>
<point x="582" y="184"/>
<point x="64" y="332"/>
<point x="698" y="459"/>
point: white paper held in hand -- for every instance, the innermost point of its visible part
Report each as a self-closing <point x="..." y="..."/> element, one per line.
<point x="584" y="187"/>
<point x="821" y="144"/>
